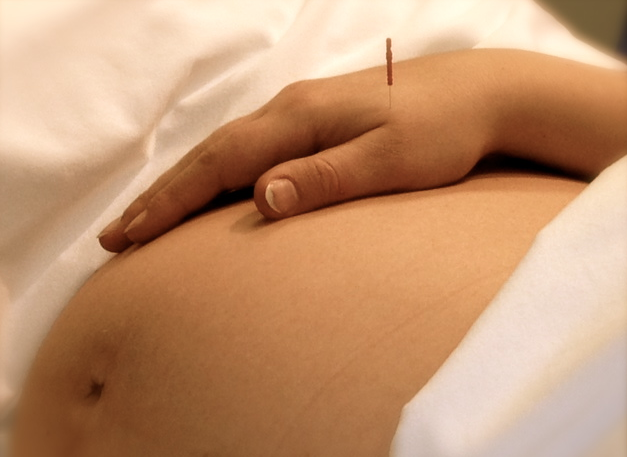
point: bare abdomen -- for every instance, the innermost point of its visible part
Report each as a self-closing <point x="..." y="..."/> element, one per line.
<point x="232" y="336"/>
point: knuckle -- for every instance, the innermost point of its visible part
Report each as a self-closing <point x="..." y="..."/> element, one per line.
<point x="328" y="178"/>
<point x="227" y="131"/>
<point x="301" y="96"/>
<point x="138" y="205"/>
<point x="170" y="205"/>
<point x="207" y="162"/>
<point x="229" y="162"/>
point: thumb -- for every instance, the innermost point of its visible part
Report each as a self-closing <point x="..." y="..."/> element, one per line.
<point x="338" y="174"/>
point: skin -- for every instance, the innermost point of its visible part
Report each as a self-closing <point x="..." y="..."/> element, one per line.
<point x="323" y="141"/>
<point x="233" y="336"/>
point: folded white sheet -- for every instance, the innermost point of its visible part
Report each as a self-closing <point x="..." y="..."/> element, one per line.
<point x="543" y="371"/>
<point x="99" y="97"/>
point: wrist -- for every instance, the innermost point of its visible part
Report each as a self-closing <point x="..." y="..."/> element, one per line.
<point x="561" y="113"/>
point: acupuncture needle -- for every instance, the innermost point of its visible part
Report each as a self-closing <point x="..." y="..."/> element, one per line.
<point x="388" y="60"/>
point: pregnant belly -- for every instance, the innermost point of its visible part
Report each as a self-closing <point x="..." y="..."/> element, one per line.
<point x="234" y="336"/>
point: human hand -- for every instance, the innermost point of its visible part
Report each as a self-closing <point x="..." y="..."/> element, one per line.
<point x="325" y="141"/>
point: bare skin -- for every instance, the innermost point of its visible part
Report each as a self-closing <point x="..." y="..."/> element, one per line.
<point x="234" y="336"/>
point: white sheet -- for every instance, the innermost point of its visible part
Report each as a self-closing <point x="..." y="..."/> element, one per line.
<point x="99" y="97"/>
<point x="543" y="371"/>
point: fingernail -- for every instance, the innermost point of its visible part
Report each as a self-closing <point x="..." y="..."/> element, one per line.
<point x="281" y="195"/>
<point x="135" y="222"/>
<point x="109" y="228"/>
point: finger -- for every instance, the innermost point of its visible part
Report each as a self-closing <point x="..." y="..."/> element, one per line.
<point x="234" y="161"/>
<point x="364" y="166"/>
<point x="113" y="237"/>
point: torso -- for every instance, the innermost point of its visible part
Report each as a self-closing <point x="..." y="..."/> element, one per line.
<point x="233" y="336"/>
